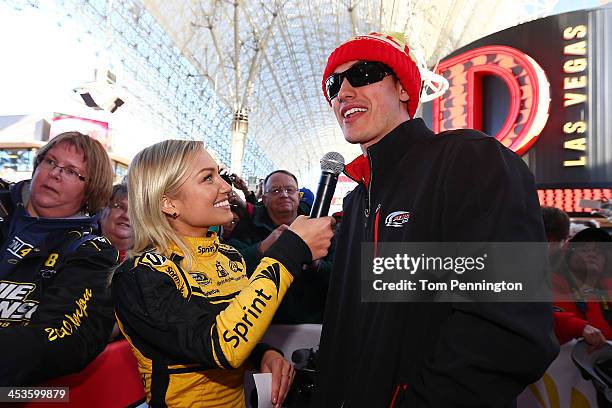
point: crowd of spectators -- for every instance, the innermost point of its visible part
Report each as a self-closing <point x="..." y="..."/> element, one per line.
<point x="581" y="277"/>
<point x="64" y="232"/>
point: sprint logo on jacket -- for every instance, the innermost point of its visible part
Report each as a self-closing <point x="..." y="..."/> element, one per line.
<point x="14" y="303"/>
<point x="241" y="329"/>
<point x="252" y="313"/>
<point x="272" y="272"/>
<point x="209" y="249"/>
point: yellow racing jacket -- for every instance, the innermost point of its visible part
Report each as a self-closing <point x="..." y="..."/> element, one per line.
<point x="192" y="331"/>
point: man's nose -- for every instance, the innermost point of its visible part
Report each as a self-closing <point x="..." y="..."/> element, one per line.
<point x="346" y="90"/>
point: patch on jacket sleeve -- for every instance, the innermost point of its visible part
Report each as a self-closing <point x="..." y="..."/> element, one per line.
<point x="397" y="218"/>
<point x="152" y="259"/>
<point x="160" y="263"/>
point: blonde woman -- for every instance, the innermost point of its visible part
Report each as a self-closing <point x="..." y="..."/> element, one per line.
<point x="183" y="301"/>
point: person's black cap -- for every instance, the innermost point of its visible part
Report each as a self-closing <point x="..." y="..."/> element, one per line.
<point x="592" y="235"/>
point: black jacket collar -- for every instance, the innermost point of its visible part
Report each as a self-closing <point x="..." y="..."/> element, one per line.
<point x="384" y="155"/>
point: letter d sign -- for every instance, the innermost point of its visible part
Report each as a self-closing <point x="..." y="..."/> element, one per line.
<point x="461" y="105"/>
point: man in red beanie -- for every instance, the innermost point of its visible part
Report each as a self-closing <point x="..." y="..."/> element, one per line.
<point x="415" y="186"/>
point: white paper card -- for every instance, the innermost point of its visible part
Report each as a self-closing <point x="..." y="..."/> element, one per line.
<point x="263" y="383"/>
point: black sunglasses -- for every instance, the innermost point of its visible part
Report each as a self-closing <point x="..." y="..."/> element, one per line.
<point x="359" y="74"/>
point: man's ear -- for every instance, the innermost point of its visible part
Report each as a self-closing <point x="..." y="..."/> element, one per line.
<point x="403" y="94"/>
<point x="167" y="206"/>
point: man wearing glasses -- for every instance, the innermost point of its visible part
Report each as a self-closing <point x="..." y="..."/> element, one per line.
<point x="415" y="186"/>
<point x="56" y="314"/>
<point x="305" y="299"/>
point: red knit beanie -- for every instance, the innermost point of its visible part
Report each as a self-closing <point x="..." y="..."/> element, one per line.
<point x="390" y="49"/>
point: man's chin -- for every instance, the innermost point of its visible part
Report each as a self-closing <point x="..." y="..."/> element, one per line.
<point x="353" y="138"/>
<point x="285" y="209"/>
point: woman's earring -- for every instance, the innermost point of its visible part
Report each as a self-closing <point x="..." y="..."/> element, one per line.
<point x="175" y="215"/>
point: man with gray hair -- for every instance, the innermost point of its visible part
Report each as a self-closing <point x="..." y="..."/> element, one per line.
<point x="255" y="233"/>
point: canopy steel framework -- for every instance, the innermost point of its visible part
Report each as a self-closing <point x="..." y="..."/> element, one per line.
<point x="247" y="73"/>
<point x="264" y="60"/>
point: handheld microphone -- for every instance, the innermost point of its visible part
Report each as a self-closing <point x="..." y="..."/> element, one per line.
<point x="332" y="164"/>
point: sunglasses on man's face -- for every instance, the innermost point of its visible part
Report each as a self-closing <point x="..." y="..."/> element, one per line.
<point x="359" y="74"/>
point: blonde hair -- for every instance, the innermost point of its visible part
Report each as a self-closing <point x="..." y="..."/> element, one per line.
<point x="156" y="171"/>
<point x="98" y="168"/>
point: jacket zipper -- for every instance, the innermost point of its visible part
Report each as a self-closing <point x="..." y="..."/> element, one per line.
<point x="367" y="209"/>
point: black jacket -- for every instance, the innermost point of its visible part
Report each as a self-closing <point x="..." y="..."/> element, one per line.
<point x="55" y="308"/>
<point x="459" y="186"/>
